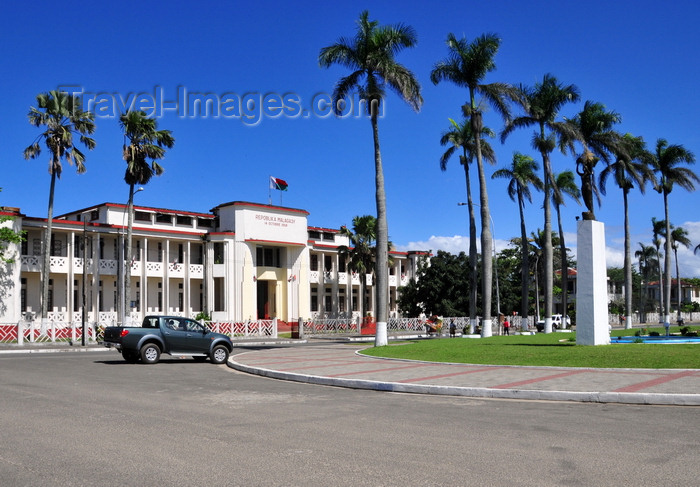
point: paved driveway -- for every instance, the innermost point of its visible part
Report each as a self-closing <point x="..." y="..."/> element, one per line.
<point x="91" y="419"/>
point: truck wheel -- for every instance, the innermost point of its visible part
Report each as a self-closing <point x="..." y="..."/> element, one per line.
<point x="219" y="355"/>
<point x="150" y="353"/>
<point x="130" y="356"/>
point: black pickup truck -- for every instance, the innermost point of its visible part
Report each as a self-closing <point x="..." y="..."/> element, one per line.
<point x="174" y="335"/>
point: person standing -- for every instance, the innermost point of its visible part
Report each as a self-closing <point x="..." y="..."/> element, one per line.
<point x="506" y="327"/>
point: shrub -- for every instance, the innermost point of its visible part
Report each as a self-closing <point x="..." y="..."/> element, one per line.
<point x="202" y="316"/>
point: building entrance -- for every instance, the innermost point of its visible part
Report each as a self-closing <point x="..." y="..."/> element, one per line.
<point x="263" y="300"/>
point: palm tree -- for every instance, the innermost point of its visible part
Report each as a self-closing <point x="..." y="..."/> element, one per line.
<point x="466" y="65"/>
<point x="659" y="230"/>
<point x="667" y="162"/>
<point x="679" y="236"/>
<point x="142" y="141"/>
<point x="521" y="175"/>
<point x="361" y="250"/>
<point x="647" y="262"/>
<point x="460" y="136"/>
<point x="370" y="56"/>
<point x="593" y="129"/>
<point x="631" y="167"/>
<point x="63" y="117"/>
<point x="566" y="184"/>
<point x="541" y="105"/>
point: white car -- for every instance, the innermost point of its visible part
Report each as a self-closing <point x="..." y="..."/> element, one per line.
<point x="556" y="323"/>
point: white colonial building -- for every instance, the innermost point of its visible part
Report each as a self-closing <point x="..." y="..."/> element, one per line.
<point x="241" y="261"/>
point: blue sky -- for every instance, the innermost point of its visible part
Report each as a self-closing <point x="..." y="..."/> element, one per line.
<point x="639" y="58"/>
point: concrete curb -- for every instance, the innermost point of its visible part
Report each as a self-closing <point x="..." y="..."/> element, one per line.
<point x="477" y="392"/>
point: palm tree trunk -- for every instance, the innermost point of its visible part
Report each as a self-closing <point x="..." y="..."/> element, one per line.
<point x="525" y="271"/>
<point x="127" y="262"/>
<point x="678" y="284"/>
<point x="564" y="272"/>
<point x="667" y="266"/>
<point x="46" y="268"/>
<point x="627" y="265"/>
<point x="548" y="277"/>
<point x="661" y="284"/>
<point x="473" y="276"/>
<point x="537" y="289"/>
<point x="486" y="237"/>
<point x="382" y="250"/>
<point x="361" y="297"/>
<point x="642" y="302"/>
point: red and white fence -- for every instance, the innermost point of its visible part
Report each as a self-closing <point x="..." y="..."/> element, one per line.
<point x="72" y="332"/>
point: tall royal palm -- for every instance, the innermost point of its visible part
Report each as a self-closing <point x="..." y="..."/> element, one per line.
<point x="521" y="176"/>
<point x="466" y="65"/>
<point x="361" y="250"/>
<point x="668" y="162"/>
<point x="630" y="169"/>
<point x="679" y="236"/>
<point x="460" y="137"/>
<point x="143" y="146"/>
<point x="566" y="185"/>
<point x="63" y="117"/>
<point x="370" y="56"/>
<point x="541" y="105"/>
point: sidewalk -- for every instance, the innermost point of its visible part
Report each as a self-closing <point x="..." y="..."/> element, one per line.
<point x="337" y="364"/>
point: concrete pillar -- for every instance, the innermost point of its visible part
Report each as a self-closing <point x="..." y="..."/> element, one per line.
<point x="591" y="292"/>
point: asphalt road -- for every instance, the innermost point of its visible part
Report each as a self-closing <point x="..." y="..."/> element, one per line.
<point x="91" y="419"/>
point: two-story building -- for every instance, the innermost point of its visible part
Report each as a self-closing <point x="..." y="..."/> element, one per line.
<point x="240" y="261"/>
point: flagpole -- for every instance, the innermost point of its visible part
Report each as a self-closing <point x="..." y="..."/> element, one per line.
<point x="269" y="190"/>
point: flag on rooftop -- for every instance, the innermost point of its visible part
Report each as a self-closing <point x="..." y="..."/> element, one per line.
<point x="277" y="183"/>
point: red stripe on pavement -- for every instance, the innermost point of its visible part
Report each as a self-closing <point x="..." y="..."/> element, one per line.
<point x="453" y="374"/>
<point x="289" y="360"/>
<point x="656" y="382"/>
<point x="326" y="364"/>
<point x="539" y="379"/>
<point x="389" y="369"/>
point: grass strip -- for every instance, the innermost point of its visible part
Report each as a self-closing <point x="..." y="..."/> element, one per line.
<point x="553" y="349"/>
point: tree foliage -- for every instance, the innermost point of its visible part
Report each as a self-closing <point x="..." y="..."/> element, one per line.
<point x="439" y="288"/>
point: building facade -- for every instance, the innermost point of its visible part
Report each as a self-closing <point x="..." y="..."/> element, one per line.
<point x="241" y="261"/>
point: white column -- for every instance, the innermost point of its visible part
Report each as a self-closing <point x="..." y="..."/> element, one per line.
<point x="186" y="304"/>
<point x="591" y="287"/>
<point x="165" y="276"/>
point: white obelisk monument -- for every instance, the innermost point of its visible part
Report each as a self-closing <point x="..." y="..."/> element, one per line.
<point x="591" y="285"/>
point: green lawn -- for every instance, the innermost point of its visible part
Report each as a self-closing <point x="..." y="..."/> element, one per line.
<point x="554" y="349"/>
